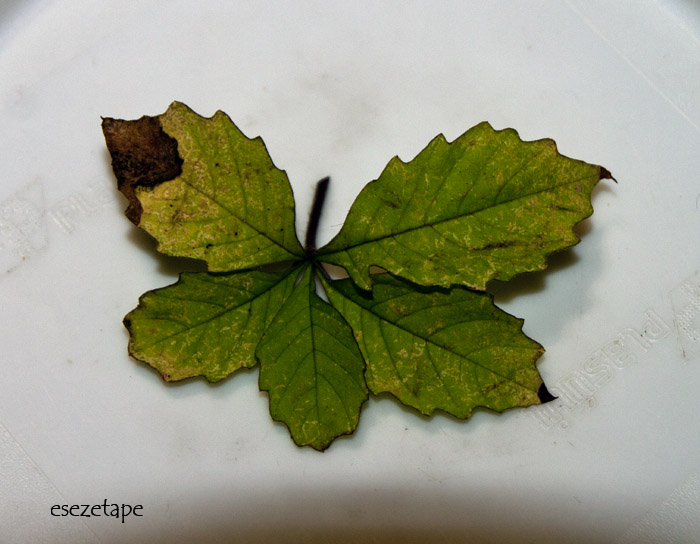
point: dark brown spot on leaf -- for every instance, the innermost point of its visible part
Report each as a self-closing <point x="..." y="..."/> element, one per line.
<point x="143" y="155"/>
<point x="497" y="245"/>
<point x="493" y="387"/>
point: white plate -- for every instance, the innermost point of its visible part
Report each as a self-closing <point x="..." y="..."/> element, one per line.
<point x="338" y="89"/>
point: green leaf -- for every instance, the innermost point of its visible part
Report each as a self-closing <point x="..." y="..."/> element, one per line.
<point x="206" y="325"/>
<point x="486" y="206"/>
<point x="449" y="350"/>
<point x="312" y="369"/>
<point x="203" y="189"/>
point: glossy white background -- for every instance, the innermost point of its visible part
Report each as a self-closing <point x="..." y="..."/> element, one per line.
<point x="337" y="89"/>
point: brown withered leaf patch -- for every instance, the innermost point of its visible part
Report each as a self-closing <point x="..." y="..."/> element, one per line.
<point x="143" y="155"/>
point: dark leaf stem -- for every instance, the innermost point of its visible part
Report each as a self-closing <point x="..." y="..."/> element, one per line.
<point x="315" y="216"/>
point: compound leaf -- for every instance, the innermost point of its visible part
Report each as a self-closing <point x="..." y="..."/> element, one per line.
<point x="437" y="349"/>
<point x="486" y="206"/>
<point x="206" y="325"/>
<point x="312" y="369"/>
<point x="203" y="189"/>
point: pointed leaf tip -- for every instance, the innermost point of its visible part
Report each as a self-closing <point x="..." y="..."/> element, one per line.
<point x="544" y="395"/>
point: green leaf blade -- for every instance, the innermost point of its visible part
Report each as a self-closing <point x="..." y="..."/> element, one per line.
<point x="206" y="325"/>
<point x="485" y="206"/>
<point x="440" y="350"/>
<point x="229" y="206"/>
<point x="312" y="369"/>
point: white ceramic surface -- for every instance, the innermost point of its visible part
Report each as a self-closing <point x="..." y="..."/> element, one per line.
<point x="338" y="88"/>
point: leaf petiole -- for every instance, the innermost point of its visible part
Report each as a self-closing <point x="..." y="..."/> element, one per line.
<point x="315" y="216"/>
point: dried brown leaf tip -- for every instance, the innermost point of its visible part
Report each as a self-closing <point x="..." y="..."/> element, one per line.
<point x="143" y="155"/>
